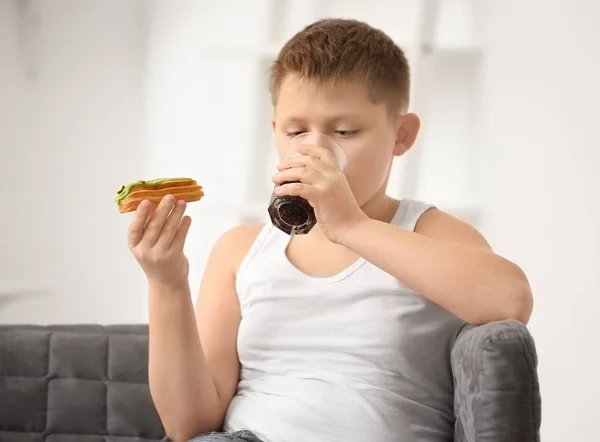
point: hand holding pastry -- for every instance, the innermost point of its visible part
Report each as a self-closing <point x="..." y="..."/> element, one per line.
<point x="157" y="237"/>
<point x="159" y="228"/>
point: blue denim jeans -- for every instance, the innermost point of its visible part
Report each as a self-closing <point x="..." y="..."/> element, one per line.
<point x="238" y="436"/>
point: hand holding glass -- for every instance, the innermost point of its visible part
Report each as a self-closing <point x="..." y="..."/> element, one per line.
<point x="293" y="214"/>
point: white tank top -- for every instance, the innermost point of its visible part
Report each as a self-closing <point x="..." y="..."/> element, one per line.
<point x="352" y="357"/>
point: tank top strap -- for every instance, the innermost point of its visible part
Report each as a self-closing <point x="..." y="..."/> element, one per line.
<point x="271" y="240"/>
<point x="408" y="213"/>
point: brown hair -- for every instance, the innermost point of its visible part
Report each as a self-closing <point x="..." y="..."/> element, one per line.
<point x="333" y="50"/>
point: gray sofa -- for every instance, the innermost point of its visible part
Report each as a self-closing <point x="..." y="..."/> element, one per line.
<point x="89" y="383"/>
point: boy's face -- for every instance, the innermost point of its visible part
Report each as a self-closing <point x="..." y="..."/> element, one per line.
<point x="369" y="136"/>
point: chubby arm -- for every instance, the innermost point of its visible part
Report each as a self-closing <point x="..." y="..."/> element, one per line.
<point x="181" y="385"/>
<point x="447" y="261"/>
<point x="194" y="367"/>
<point x="218" y="313"/>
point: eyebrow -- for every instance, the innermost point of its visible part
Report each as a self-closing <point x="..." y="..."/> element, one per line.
<point x="331" y="119"/>
<point x="293" y="120"/>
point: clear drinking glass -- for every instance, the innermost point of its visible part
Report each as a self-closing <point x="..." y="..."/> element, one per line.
<point x="293" y="214"/>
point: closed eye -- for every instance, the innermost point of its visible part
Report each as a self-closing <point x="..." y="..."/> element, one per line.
<point x="341" y="133"/>
<point x="295" y="134"/>
<point x="346" y="133"/>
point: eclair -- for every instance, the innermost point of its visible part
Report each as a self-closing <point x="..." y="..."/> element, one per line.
<point x="130" y="196"/>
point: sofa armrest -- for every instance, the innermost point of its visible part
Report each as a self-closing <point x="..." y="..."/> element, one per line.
<point x="496" y="389"/>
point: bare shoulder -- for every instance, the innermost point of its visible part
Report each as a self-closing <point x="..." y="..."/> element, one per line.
<point x="235" y="243"/>
<point x="443" y="226"/>
<point x="226" y="256"/>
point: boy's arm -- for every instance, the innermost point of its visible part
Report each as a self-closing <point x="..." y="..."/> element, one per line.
<point x="445" y="260"/>
<point x="448" y="262"/>
<point x="193" y="365"/>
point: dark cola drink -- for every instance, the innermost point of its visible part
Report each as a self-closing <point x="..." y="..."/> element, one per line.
<point x="292" y="214"/>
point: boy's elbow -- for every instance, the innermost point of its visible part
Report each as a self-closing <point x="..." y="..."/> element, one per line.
<point x="183" y="428"/>
<point x="180" y="436"/>
<point x="512" y="302"/>
<point x="182" y="432"/>
<point x="516" y="299"/>
<point x="521" y="305"/>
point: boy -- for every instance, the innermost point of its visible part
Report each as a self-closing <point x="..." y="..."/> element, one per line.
<point x="343" y="334"/>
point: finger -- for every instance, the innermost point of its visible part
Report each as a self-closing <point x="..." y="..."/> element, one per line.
<point x="295" y="189"/>
<point x="170" y="228"/>
<point x="138" y="222"/>
<point x="298" y="160"/>
<point x="295" y="159"/>
<point x="181" y="233"/>
<point x="156" y="223"/>
<point x="304" y="161"/>
<point x="319" y="152"/>
<point x="152" y="209"/>
<point x="302" y="174"/>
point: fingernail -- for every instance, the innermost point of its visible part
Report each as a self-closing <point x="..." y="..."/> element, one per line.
<point x="170" y="199"/>
<point x="181" y="203"/>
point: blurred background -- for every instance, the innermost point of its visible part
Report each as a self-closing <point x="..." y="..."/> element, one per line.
<point x="98" y="93"/>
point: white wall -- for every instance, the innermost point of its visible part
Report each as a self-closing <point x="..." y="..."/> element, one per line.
<point x="68" y="140"/>
<point x="539" y="182"/>
<point x="200" y="110"/>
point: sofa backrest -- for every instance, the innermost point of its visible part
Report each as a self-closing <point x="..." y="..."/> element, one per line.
<point x="89" y="383"/>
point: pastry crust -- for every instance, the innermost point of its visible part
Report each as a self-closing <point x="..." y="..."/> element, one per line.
<point x="130" y="196"/>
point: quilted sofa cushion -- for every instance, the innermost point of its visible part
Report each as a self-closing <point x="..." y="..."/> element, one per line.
<point x="88" y="386"/>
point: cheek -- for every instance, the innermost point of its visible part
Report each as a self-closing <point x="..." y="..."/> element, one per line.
<point x="280" y="144"/>
<point x="367" y="171"/>
<point x="369" y="165"/>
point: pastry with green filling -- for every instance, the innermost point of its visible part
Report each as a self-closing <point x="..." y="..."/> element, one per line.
<point x="130" y="196"/>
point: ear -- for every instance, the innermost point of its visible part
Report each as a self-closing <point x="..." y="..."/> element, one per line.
<point x="407" y="128"/>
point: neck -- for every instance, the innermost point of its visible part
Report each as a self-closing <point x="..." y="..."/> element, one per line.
<point x="381" y="207"/>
